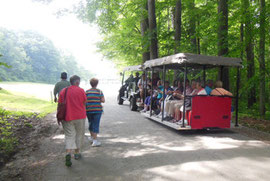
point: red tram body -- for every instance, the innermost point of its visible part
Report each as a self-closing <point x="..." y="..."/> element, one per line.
<point x="210" y="112"/>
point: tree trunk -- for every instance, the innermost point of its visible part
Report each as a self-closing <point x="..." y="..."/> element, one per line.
<point x="177" y="25"/>
<point x="169" y="29"/>
<point x="223" y="39"/>
<point x="144" y="28"/>
<point x="198" y="41"/>
<point x="242" y="40"/>
<point x="177" y="29"/>
<point x="153" y="29"/>
<point x="262" y="57"/>
<point x="192" y="26"/>
<point x="250" y="52"/>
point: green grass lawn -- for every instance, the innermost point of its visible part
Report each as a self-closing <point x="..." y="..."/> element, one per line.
<point x="17" y="102"/>
<point x="15" y="111"/>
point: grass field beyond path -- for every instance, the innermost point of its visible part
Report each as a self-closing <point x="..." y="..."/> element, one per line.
<point x="24" y="103"/>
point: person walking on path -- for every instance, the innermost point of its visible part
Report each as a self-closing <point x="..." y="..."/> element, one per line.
<point x="94" y="110"/>
<point x="74" y="122"/>
<point x="60" y="85"/>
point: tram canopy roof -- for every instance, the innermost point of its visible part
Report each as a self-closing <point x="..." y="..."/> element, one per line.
<point x="193" y="60"/>
<point x="133" y="68"/>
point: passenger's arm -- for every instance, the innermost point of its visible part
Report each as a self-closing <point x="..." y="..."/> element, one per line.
<point x="228" y="93"/>
<point x="178" y="95"/>
<point x="55" y="90"/>
<point x="84" y="98"/>
<point x="102" y="99"/>
<point x="169" y="92"/>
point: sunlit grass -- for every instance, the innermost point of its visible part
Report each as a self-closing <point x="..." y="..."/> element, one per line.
<point x="30" y="89"/>
<point x="16" y="102"/>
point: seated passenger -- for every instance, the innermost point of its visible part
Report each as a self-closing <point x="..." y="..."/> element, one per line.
<point x="142" y="85"/>
<point x="129" y="82"/>
<point x="175" y="85"/>
<point x="149" y="84"/>
<point x="130" y="79"/>
<point x="159" y="89"/>
<point x="199" y="90"/>
<point x="209" y="86"/>
<point x="190" y="90"/>
<point x="155" y="79"/>
<point x="176" y="99"/>
<point x="219" y="91"/>
<point x="136" y="78"/>
<point x="147" y="101"/>
<point x="168" y="91"/>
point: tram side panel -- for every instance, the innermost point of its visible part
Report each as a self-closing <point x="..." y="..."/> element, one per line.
<point x="210" y="112"/>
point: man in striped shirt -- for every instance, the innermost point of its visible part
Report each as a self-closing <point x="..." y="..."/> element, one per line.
<point x="94" y="110"/>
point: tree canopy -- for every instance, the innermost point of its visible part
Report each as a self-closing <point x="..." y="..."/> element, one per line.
<point x="225" y="28"/>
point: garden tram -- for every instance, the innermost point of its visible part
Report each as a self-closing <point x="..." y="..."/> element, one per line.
<point x="129" y="89"/>
<point x="206" y="111"/>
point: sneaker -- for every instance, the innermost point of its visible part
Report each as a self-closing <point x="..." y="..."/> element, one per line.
<point x="77" y="156"/>
<point x="90" y="139"/>
<point x="181" y="122"/>
<point x="159" y="115"/>
<point x="96" y="143"/>
<point x="68" y="160"/>
<point x="143" y="111"/>
<point x="168" y="118"/>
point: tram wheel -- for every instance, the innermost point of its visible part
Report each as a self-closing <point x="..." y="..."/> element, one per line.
<point x="119" y="100"/>
<point x="133" y="104"/>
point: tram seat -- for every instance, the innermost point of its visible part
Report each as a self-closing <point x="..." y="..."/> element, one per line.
<point x="210" y="112"/>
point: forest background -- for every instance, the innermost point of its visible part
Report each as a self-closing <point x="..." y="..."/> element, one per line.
<point x="30" y="56"/>
<point x="138" y="30"/>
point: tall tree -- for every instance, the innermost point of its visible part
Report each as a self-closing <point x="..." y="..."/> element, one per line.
<point x="262" y="57"/>
<point x="249" y="47"/>
<point x="153" y="29"/>
<point x="192" y="26"/>
<point x="144" y="29"/>
<point x="198" y="40"/>
<point x="177" y="30"/>
<point x="223" y="39"/>
<point x="177" y="25"/>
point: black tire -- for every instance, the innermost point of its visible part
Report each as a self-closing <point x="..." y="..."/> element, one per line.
<point x="133" y="105"/>
<point x="119" y="100"/>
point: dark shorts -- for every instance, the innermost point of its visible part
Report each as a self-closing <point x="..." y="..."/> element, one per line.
<point x="147" y="100"/>
<point x="94" y="121"/>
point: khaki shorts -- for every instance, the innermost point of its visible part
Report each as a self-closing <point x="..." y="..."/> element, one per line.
<point x="74" y="133"/>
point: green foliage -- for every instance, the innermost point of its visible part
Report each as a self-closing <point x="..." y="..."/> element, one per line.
<point x="119" y="23"/>
<point x="29" y="56"/>
<point x="7" y="141"/>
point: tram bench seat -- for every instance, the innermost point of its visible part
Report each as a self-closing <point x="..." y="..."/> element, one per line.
<point x="210" y="112"/>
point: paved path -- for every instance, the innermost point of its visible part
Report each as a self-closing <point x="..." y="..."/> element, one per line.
<point x="134" y="148"/>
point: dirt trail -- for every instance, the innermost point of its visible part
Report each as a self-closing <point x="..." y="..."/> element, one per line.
<point x="134" y="148"/>
<point x="30" y="154"/>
